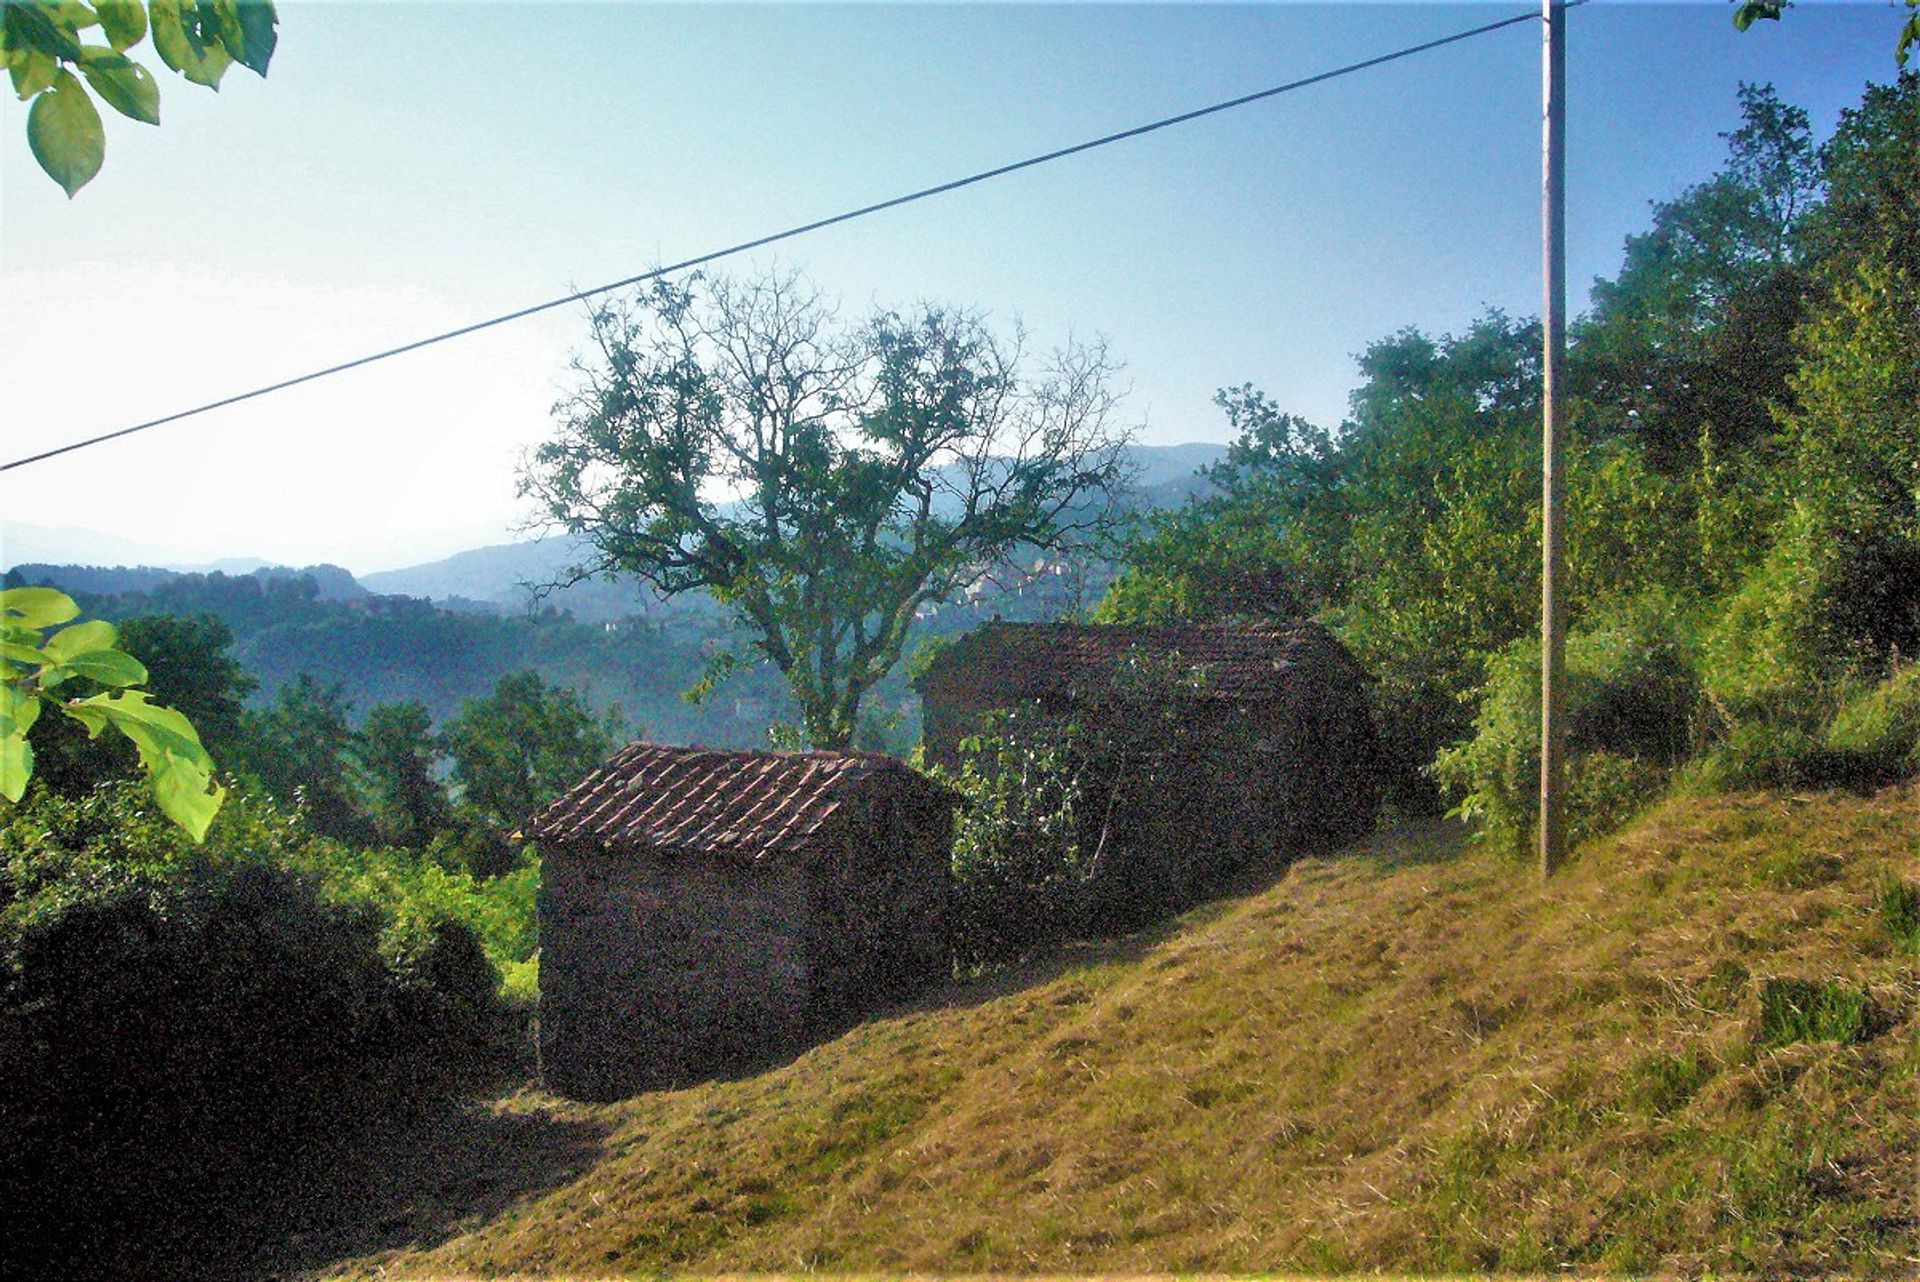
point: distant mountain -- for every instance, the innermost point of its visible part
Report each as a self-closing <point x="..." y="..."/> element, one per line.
<point x="1171" y="466"/>
<point x="23" y="543"/>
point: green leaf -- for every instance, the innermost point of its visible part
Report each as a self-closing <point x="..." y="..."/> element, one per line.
<point x="16" y="765"/>
<point x="246" y="31"/>
<point x="123" y="84"/>
<point x="64" y="133"/>
<point x="36" y="607"/>
<point x="15" y="652"/>
<point x="32" y="72"/>
<point x="178" y="36"/>
<point x="124" y="21"/>
<point x="258" y="20"/>
<point x="1755" y="10"/>
<point x="108" y="667"/>
<point x="178" y="768"/>
<point x="94" y="634"/>
<point x="18" y="710"/>
<point x="37" y="27"/>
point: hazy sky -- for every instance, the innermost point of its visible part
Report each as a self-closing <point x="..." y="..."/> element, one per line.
<point x="411" y="167"/>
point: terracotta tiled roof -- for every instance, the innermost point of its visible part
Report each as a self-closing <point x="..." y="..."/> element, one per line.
<point x="1238" y="661"/>
<point x="657" y="799"/>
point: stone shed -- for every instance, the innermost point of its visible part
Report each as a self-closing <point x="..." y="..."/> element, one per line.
<point x="1277" y="750"/>
<point x="703" y="910"/>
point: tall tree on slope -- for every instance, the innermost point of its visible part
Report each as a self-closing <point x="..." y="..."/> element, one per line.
<point x="824" y="480"/>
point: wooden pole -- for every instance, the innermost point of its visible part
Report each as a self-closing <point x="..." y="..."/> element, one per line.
<point x="1553" y="606"/>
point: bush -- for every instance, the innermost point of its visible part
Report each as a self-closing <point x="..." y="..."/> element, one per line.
<point x="1761" y="755"/>
<point x="1018" y="868"/>
<point x="1631" y="699"/>
<point x="183" y="1031"/>
<point x="1880" y="726"/>
<point x="1872" y="739"/>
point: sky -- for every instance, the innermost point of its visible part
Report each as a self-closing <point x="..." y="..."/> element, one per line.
<point x="408" y="168"/>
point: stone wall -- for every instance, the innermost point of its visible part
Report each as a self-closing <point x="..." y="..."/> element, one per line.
<point x="658" y="973"/>
<point x="880" y="904"/>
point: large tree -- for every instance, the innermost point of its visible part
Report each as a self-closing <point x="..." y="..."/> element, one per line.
<point x="395" y="752"/>
<point x="823" y="479"/>
<point x="523" y="745"/>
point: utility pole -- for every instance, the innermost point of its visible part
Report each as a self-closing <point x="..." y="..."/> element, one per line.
<point x="1553" y="605"/>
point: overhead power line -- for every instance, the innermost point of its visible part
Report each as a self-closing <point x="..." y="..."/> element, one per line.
<point x="791" y="232"/>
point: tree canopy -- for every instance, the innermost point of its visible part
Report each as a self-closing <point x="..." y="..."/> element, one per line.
<point x="823" y="479"/>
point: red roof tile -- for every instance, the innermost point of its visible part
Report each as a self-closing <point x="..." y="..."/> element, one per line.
<point x="657" y="799"/>
<point x="1237" y="661"/>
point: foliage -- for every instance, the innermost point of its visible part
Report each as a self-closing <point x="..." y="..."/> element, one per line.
<point x="41" y="651"/>
<point x="1101" y="820"/>
<point x="395" y="751"/>
<point x="109" y="833"/>
<point x="190" y="667"/>
<point x="171" y="1044"/>
<point x="823" y="481"/>
<point x="1745" y="442"/>
<point x="1018" y="866"/>
<point x="1631" y="698"/>
<point x="1254" y="549"/>
<point x="300" y="746"/>
<point x="1882" y="722"/>
<point x="1857" y="734"/>
<point x="1694" y="333"/>
<point x="519" y="748"/>
<point x="44" y="50"/>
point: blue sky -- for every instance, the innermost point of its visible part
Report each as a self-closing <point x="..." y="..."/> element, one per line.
<point x="410" y="167"/>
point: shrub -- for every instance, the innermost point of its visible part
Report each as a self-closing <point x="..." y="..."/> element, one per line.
<point x="1880" y="726"/>
<point x="1872" y="738"/>
<point x="1763" y="755"/>
<point x="1772" y="654"/>
<point x="1018" y="867"/>
<point x="1631" y="698"/>
<point x="1606" y="789"/>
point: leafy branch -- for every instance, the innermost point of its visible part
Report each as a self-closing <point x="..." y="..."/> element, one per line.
<point x="53" y="65"/>
<point x="41" y="650"/>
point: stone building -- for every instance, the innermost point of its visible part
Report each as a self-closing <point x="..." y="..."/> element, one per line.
<point x="704" y="910"/>
<point x="1247" y="740"/>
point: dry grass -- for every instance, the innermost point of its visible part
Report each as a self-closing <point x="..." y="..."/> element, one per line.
<point x="1406" y="1058"/>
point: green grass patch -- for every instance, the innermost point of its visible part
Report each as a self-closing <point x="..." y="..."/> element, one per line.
<point x="1899" y="903"/>
<point x="1662" y="1084"/>
<point x="1804" y="1010"/>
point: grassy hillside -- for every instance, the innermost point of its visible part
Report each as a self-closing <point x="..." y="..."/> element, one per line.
<point x="1407" y="1058"/>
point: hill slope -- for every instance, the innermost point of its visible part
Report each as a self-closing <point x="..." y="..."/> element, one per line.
<point x="1404" y="1058"/>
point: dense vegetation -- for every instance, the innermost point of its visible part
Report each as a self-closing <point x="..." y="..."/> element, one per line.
<point x="188" y="1032"/>
<point x="1745" y="531"/>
